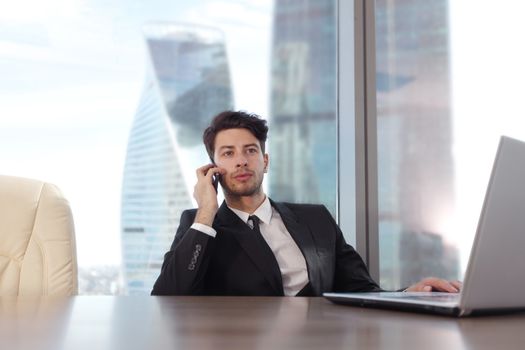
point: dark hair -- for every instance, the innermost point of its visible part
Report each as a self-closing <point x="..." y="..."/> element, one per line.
<point x="234" y="120"/>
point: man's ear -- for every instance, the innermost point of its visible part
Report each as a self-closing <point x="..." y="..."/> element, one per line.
<point x="266" y="162"/>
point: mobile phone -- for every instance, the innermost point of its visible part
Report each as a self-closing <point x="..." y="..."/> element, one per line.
<point x="215" y="181"/>
<point x="215" y="178"/>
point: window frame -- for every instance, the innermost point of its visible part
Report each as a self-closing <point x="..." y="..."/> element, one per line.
<point x="356" y="77"/>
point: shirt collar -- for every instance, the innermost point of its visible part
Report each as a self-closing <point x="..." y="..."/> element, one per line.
<point x="263" y="212"/>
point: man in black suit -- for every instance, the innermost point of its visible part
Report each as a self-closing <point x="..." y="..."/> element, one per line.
<point x="251" y="245"/>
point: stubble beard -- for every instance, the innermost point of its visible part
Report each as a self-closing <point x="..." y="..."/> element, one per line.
<point x="241" y="192"/>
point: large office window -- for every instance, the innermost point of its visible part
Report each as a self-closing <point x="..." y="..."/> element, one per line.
<point x="448" y="81"/>
<point x="108" y="101"/>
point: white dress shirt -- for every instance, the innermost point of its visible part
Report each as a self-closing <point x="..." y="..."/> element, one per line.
<point x="288" y="255"/>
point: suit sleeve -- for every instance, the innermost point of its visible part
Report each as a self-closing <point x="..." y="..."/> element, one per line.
<point x="351" y="273"/>
<point x="186" y="263"/>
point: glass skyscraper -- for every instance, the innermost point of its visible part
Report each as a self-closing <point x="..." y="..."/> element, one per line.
<point x="187" y="83"/>
<point x="414" y="125"/>
<point x="303" y="103"/>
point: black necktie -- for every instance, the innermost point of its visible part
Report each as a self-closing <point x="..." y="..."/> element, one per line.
<point x="271" y="262"/>
<point x="256" y="229"/>
<point x="255" y="220"/>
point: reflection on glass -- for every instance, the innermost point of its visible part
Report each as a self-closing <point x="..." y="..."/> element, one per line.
<point x="187" y="84"/>
<point x="414" y="129"/>
<point x="303" y="104"/>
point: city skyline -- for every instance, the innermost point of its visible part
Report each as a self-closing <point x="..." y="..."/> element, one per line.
<point x="72" y="77"/>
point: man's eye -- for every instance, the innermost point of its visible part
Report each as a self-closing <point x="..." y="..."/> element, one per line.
<point x="228" y="154"/>
<point x="252" y="150"/>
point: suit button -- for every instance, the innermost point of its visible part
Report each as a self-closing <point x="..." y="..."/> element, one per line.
<point x="195" y="256"/>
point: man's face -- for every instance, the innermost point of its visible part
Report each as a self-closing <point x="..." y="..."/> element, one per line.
<point x="239" y="153"/>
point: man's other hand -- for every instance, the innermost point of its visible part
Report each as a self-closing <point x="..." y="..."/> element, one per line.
<point x="432" y="284"/>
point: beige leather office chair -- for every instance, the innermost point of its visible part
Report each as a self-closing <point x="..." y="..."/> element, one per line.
<point x="37" y="240"/>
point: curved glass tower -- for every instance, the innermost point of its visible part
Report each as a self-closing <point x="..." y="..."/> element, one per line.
<point x="187" y="83"/>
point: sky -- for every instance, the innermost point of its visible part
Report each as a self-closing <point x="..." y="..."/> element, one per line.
<point x="72" y="73"/>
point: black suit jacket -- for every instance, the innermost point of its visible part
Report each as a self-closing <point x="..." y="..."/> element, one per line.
<point x="235" y="263"/>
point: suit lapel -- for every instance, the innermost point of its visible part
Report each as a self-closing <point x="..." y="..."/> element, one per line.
<point x="303" y="237"/>
<point x="262" y="256"/>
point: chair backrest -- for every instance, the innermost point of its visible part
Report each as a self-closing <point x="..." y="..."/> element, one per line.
<point x="37" y="240"/>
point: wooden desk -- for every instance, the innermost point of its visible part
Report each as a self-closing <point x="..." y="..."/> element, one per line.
<point x="93" y="322"/>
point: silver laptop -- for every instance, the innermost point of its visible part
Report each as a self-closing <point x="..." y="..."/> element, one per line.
<point x="495" y="276"/>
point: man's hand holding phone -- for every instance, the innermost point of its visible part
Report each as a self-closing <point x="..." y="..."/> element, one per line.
<point x="205" y="193"/>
